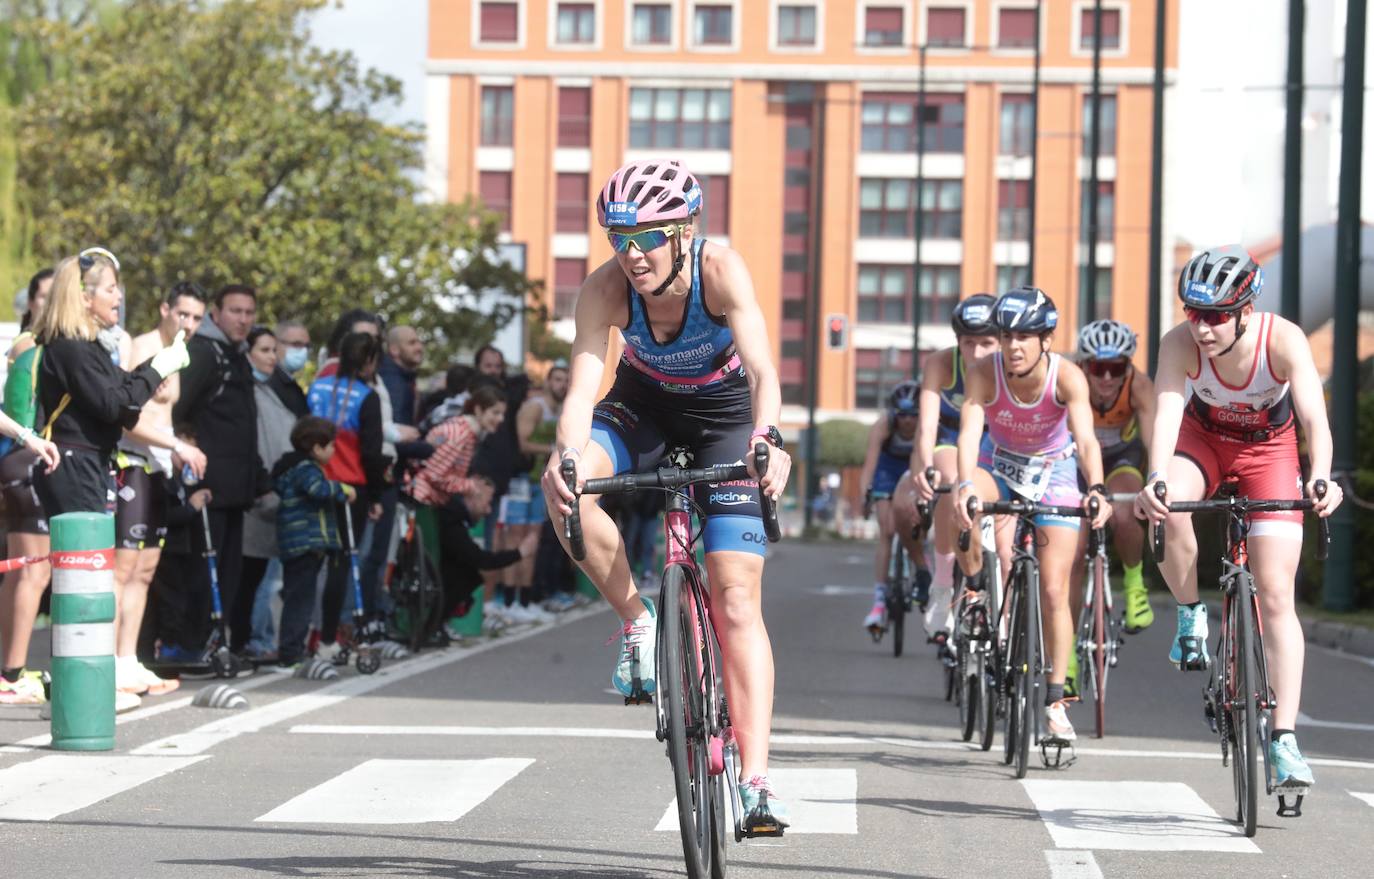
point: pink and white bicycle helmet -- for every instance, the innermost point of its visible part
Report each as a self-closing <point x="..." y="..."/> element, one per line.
<point x="648" y="191"/>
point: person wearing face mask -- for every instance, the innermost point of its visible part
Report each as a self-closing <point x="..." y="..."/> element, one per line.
<point x="277" y="415"/>
<point x="346" y="399"/>
<point x="293" y="352"/>
<point x="87" y="399"/>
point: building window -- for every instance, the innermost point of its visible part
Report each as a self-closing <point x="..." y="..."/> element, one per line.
<point x="682" y="119"/>
<point x="884" y="293"/>
<point x="498" y="115"/>
<point x="883" y="26"/>
<point x="574" y="116"/>
<point x="499" y="22"/>
<point x="713" y="25"/>
<point x="796" y="26"/>
<point x="939" y="292"/>
<point x="494" y="187"/>
<point x="715" y="205"/>
<point x="887" y="123"/>
<point x="576" y="24"/>
<point x="652" y="24"/>
<point x="1106" y="209"/>
<point x="1111" y="29"/>
<point x="945" y="27"/>
<point x="1100" y="306"/>
<point x="1108" y="133"/>
<point x="885" y="208"/>
<point x="876" y="371"/>
<point x="568" y="275"/>
<point x="1015" y="131"/>
<point x="1012" y="276"/>
<point x="1013" y="210"/>
<point x="571" y="212"/>
<point x="1016" y="28"/>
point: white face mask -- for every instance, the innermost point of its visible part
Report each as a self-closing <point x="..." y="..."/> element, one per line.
<point x="294" y="360"/>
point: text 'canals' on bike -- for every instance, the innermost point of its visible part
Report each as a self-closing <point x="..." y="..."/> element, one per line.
<point x="1238" y="702"/>
<point x="691" y="713"/>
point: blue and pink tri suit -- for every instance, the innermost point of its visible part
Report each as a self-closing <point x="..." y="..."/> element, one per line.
<point x="1031" y="453"/>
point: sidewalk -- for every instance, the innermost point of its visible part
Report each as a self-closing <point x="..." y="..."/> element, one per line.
<point x="1346" y="637"/>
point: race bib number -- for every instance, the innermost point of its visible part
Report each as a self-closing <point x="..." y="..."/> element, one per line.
<point x="1026" y="475"/>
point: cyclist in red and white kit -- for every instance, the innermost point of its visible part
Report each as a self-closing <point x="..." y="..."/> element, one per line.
<point x="1232" y="382"/>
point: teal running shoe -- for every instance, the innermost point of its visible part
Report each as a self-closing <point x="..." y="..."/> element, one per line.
<point x="764" y="813"/>
<point x="637" y="638"/>
<point x="1189" y="651"/>
<point x="1291" y="772"/>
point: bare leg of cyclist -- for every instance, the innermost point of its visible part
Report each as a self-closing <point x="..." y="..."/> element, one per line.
<point x="737" y="613"/>
<point x="20" y="594"/>
<point x="606" y="564"/>
<point x="1180" y="544"/>
<point x="904" y="519"/>
<point x="1057" y="549"/>
<point x="946" y="532"/>
<point x="1274" y="562"/>
<point x="882" y="510"/>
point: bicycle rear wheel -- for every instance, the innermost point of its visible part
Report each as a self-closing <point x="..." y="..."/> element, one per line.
<point x="1011" y="678"/>
<point x="681" y="687"/>
<point x="1097" y="664"/>
<point x="1242" y="698"/>
<point x="420" y="592"/>
<point x="966" y="669"/>
<point x="896" y="612"/>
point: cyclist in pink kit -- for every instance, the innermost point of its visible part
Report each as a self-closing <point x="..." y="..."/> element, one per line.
<point x="1037" y="408"/>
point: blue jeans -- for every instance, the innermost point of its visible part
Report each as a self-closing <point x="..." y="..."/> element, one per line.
<point x="264" y="639"/>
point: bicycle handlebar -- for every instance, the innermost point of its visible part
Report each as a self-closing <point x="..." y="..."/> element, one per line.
<point x="672" y="479"/>
<point x="1242" y="506"/>
<point x="1024" y="508"/>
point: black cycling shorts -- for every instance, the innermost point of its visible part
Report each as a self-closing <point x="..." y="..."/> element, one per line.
<point x="23" y="512"/>
<point x="141" y="508"/>
<point x="638" y="423"/>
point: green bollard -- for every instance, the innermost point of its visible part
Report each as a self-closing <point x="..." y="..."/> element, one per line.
<point x="83" y="612"/>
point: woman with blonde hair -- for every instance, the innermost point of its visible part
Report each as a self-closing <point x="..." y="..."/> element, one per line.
<point x="89" y="400"/>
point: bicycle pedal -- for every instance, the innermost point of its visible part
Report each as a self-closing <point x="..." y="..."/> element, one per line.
<point x="1058" y="761"/>
<point x="639" y="697"/>
<point x="1293" y="811"/>
<point x="762" y="823"/>
<point x="876" y="632"/>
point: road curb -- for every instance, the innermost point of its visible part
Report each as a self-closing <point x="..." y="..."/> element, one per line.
<point x="1339" y="636"/>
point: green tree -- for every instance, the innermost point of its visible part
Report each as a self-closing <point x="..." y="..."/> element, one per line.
<point x="842" y="443"/>
<point x="209" y="141"/>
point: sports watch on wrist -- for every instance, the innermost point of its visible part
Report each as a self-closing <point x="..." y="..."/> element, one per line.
<point x="769" y="433"/>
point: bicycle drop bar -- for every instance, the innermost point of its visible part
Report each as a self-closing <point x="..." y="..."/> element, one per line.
<point x="1243" y="506"/>
<point x="671" y="479"/>
<point x="1025" y="508"/>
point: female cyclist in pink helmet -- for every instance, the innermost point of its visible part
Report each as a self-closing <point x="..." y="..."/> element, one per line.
<point x="697" y="371"/>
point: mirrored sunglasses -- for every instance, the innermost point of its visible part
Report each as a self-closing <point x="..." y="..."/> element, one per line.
<point x="1207" y="316"/>
<point x="645" y="239"/>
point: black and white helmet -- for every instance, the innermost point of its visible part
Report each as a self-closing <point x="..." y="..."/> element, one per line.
<point x="1106" y="340"/>
<point x="1026" y="310"/>
<point x="1220" y="279"/>
<point x="973" y="316"/>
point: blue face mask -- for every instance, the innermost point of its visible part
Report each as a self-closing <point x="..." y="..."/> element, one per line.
<point x="259" y="375"/>
<point x="294" y="360"/>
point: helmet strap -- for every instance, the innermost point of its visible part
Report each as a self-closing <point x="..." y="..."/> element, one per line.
<point x="1240" y="331"/>
<point x="678" y="260"/>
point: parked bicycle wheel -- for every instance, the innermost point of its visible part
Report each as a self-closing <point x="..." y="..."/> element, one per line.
<point x="680" y="683"/>
<point x="419" y="592"/>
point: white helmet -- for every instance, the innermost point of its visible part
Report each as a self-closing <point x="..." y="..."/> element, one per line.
<point x="1106" y="340"/>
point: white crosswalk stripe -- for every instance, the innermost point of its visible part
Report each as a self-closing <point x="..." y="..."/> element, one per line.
<point x="49" y="787"/>
<point x="400" y="792"/>
<point x="1366" y="798"/>
<point x="818" y="800"/>
<point x="1133" y="816"/>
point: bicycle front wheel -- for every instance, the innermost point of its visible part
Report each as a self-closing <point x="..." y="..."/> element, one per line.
<point x="1244" y="693"/>
<point x="1097" y="663"/>
<point x="682" y="689"/>
<point x="896" y="613"/>
<point x="1028" y="684"/>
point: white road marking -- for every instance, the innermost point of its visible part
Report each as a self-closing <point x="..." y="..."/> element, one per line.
<point x="1306" y="720"/>
<point x="818" y="801"/>
<point x="835" y="589"/>
<point x="207" y="736"/>
<point x="400" y="792"/>
<point x="1072" y="865"/>
<point x="777" y="740"/>
<point x="43" y="789"/>
<point x="1133" y="816"/>
<point x="1367" y="798"/>
<point x="24" y="746"/>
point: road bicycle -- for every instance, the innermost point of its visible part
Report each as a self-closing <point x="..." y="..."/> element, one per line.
<point x="1238" y="702"/>
<point x="692" y="717"/>
<point x="1024" y="666"/>
<point x="907" y="587"/>
<point x="1099" y="629"/>
<point x="412" y="579"/>
<point x="977" y="643"/>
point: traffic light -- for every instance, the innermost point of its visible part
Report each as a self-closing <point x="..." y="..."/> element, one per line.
<point x="836" y="332"/>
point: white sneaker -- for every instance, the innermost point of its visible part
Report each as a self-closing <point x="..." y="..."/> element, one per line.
<point x="520" y="616"/>
<point x="1057" y="725"/>
<point x="877" y="617"/>
<point x="494" y="621"/>
<point x="126" y="701"/>
<point x="157" y="686"/>
<point x="328" y="652"/>
<point x="539" y="615"/>
<point x="129" y="676"/>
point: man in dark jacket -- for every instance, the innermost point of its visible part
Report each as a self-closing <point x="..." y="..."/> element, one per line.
<point x="217" y="401"/>
<point x="405" y="351"/>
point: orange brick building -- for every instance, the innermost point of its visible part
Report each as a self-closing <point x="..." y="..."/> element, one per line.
<point x="532" y="103"/>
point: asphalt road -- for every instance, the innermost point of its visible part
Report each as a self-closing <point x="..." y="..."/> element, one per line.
<point x="512" y="759"/>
